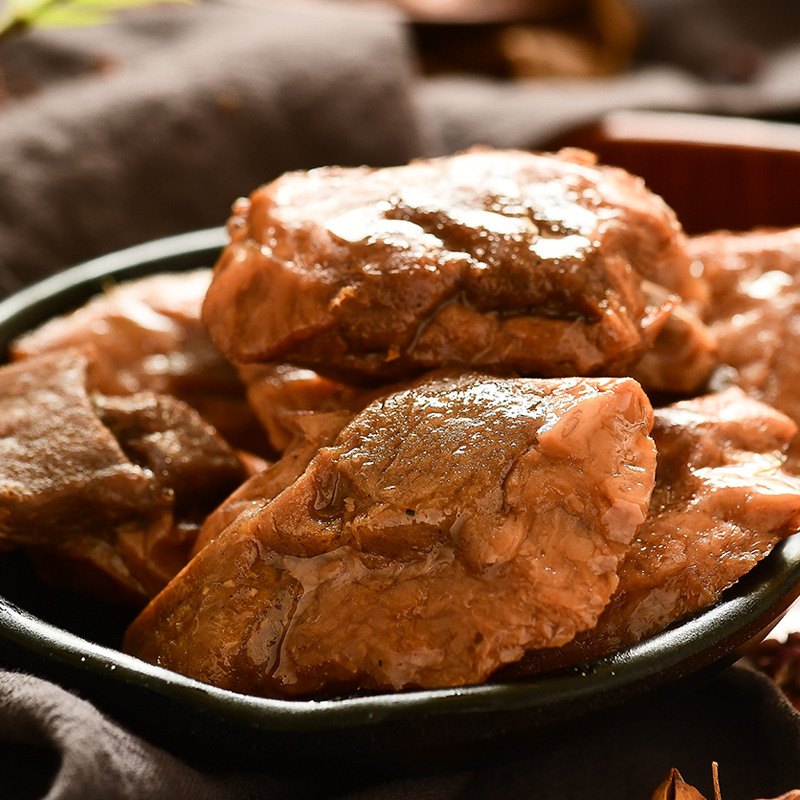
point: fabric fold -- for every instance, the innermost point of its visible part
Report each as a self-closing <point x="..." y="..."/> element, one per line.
<point x="165" y="137"/>
<point x="57" y="746"/>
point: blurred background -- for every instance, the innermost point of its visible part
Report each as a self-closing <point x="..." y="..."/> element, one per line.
<point x="126" y="120"/>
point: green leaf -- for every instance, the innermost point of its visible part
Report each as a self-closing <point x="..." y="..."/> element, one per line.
<point x="20" y="14"/>
<point x="74" y="17"/>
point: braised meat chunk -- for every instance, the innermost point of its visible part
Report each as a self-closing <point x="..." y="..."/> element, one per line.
<point x="448" y="528"/>
<point x="282" y="396"/>
<point x="535" y="264"/>
<point x="755" y="288"/>
<point x="720" y="504"/>
<point x="106" y="493"/>
<point x="147" y="335"/>
<point x="61" y="467"/>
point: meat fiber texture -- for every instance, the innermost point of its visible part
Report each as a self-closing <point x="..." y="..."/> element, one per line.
<point x="447" y="529"/>
<point x="721" y="502"/>
<point x="536" y="264"/>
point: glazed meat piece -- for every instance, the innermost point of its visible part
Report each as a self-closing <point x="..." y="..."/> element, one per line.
<point x="61" y="467"/>
<point x="312" y="432"/>
<point x="108" y="494"/>
<point x="164" y="436"/>
<point x="506" y="260"/>
<point x="681" y="359"/>
<point x="282" y="396"/>
<point x="447" y="529"/>
<point x="755" y="304"/>
<point x="148" y="336"/>
<point x="720" y="504"/>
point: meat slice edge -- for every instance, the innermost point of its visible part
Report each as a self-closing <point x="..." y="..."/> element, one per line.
<point x="720" y="504"/>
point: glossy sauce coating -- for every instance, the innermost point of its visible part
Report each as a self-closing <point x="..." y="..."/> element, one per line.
<point x="449" y="528"/>
<point x="528" y="263"/>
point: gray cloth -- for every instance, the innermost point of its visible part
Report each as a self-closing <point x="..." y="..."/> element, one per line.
<point x="170" y="114"/>
<point x="55" y="746"/>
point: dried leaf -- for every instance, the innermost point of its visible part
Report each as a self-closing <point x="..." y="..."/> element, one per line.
<point x="674" y="787"/>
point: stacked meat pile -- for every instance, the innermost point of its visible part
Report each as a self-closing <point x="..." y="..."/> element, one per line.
<point x="451" y="370"/>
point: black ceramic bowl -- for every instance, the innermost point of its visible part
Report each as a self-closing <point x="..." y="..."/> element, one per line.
<point x="715" y="173"/>
<point x="73" y="641"/>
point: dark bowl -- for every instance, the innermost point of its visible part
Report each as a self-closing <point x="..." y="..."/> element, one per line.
<point x="73" y="641"/>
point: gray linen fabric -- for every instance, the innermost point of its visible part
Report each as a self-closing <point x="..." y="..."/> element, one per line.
<point x="189" y="108"/>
